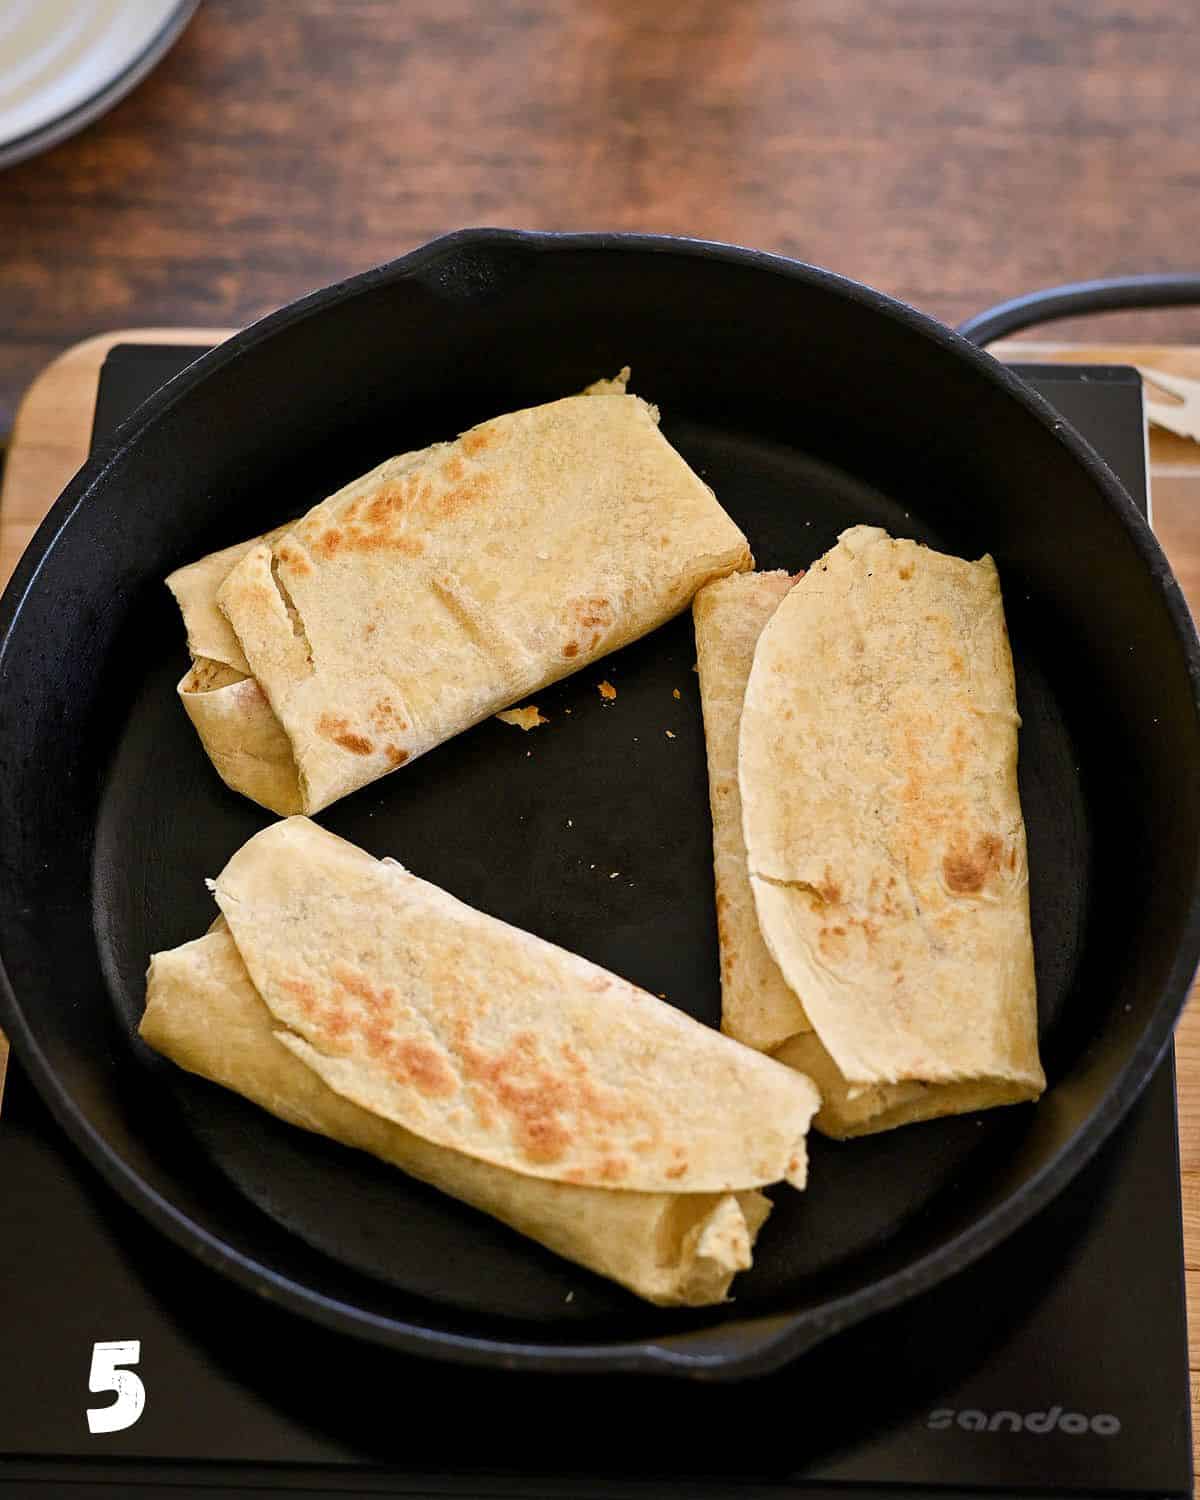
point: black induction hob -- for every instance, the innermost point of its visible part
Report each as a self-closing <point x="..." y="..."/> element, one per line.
<point x="1056" y="1365"/>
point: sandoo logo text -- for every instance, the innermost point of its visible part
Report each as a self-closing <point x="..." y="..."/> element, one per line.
<point x="1103" y="1424"/>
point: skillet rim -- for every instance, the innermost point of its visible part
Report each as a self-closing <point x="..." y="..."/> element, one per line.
<point x="735" y="1349"/>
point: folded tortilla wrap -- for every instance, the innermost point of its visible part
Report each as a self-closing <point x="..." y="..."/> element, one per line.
<point x="443" y="586"/>
<point x="758" y="1006"/>
<point x="885" y="843"/>
<point x="354" y="999"/>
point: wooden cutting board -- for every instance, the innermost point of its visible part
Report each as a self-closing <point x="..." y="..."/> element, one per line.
<point x="53" y="429"/>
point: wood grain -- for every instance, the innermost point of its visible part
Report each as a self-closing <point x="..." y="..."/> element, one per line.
<point x="951" y="154"/>
<point x="51" y="439"/>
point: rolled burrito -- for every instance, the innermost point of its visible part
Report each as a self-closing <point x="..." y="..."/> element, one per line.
<point x="884" y="843"/>
<point x="441" y="587"/>
<point x="349" y="997"/>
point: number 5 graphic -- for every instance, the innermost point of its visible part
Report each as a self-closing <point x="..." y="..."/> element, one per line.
<point x="105" y="1376"/>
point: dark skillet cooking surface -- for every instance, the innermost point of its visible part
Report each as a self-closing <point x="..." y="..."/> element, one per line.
<point x="592" y="831"/>
<point x="112" y="816"/>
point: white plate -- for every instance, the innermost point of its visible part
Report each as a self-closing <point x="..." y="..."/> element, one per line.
<point x="64" y="62"/>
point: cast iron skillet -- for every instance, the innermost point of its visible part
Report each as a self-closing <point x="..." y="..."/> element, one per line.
<point x="810" y="403"/>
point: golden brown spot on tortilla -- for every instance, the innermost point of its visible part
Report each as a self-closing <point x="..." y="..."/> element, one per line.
<point x="613" y="1169"/>
<point x="396" y="756"/>
<point x="530" y="1095"/>
<point x="455" y="469"/>
<point x="1012" y="858"/>
<point x="370" y="630"/>
<point x="377" y="511"/>
<point x="337" y="1026"/>
<point x="906" y="571"/>
<point x="479" y="439"/>
<point x="544" y="1137"/>
<point x="420" y="1065"/>
<point x="594" y="612"/>
<point x="357" y="744"/>
<point x="328" y="542"/>
<point x="956" y="664"/>
<point x="360" y="1009"/>
<point x="470" y="492"/>
<point x="302" y="992"/>
<point x="338" y="730"/>
<point x="407" y="546"/>
<point x="384" y="716"/>
<point x="674" y="1173"/>
<point x="966" y="869"/>
<point x="521" y="1083"/>
<point x="829" y="890"/>
<point x="295" y="561"/>
<point x="380" y="513"/>
<point x="361" y="988"/>
<point x="588" y="617"/>
<point x="482" y="1105"/>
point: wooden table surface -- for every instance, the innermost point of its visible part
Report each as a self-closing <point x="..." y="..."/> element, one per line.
<point x="953" y="154"/>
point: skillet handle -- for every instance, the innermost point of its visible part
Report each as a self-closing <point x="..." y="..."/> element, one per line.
<point x="733" y="1351"/>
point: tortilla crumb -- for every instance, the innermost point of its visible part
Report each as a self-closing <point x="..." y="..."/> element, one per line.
<point x="524" y="718"/>
<point x="607" y="691"/>
<point x="675" y="693"/>
<point x="668" y="734"/>
<point x="614" y="874"/>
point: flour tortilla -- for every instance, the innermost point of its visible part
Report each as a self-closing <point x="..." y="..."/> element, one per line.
<point x="758" y="1006"/>
<point x="884" y="836"/>
<point x="487" y="1040"/>
<point x="351" y="998"/>
<point x="675" y="1249"/>
<point x="443" y="586"/>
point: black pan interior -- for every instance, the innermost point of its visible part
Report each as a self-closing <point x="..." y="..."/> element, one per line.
<point x="808" y="410"/>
